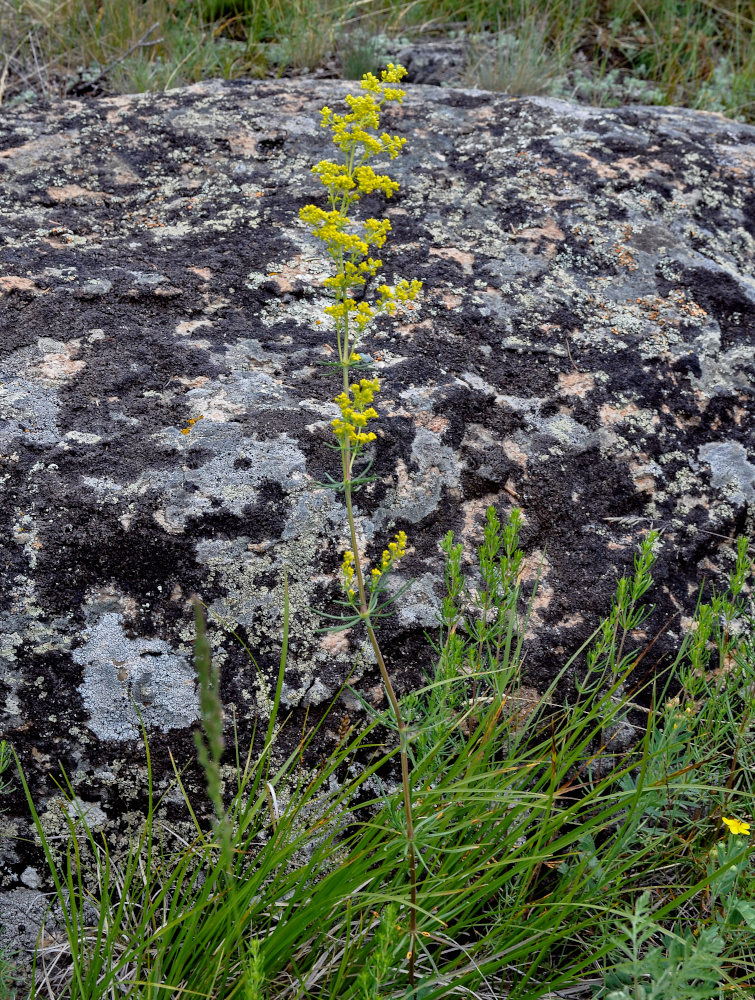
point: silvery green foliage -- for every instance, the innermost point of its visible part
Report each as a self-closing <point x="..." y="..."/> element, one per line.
<point x="681" y="967"/>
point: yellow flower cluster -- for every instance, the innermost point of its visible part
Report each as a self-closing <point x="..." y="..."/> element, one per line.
<point x="347" y="568"/>
<point x="355" y="413"/>
<point x="334" y="175"/>
<point x="361" y="314"/>
<point x="332" y="229"/>
<point x="404" y="293"/>
<point x="395" y="551"/>
<point x="351" y="131"/>
<point x="368" y="181"/>
<point x="353" y="274"/>
<point x="362" y="180"/>
<point x="349" y="244"/>
<point x="393" y="74"/>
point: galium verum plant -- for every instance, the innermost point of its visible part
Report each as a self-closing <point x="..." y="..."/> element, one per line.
<point x="350" y="245"/>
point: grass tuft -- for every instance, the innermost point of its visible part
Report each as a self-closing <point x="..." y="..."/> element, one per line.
<point x="697" y="54"/>
<point x="573" y="843"/>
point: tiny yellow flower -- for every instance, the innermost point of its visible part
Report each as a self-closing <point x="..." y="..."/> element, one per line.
<point x="737" y="826"/>
<point x="355" y="414"/>
<point x="395" y="551"/>
<point x="347" y="568"/>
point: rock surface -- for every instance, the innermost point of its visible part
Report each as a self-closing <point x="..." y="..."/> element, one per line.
<point x="584" y="348"/>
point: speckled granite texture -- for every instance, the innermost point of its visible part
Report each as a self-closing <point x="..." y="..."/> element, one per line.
<point x="584" y="347"/>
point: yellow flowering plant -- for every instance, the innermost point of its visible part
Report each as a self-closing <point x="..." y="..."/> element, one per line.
<point x="737" y="827"/>
<point x="350" y="245"/>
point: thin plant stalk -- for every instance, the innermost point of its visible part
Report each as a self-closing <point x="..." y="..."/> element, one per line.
<point x="357" y="137"/>
<point x="403" y="730"/>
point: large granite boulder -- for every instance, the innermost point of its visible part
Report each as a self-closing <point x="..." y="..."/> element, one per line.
<point x="584" y="348"/>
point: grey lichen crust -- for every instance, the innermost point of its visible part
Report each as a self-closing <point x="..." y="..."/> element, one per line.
<point x="584" y="348"/>
<point x="123" y="677"/>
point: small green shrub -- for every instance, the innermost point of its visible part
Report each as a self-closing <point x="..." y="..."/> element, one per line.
<point x="360" y="51"/>
<point x="516" y="62"/>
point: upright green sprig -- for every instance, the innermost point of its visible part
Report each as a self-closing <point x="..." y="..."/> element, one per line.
<point x="6" y="759"/>
<point x="350" y="246"/>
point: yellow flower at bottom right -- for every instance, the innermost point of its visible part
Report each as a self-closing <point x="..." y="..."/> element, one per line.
<point x="737" y="826"/>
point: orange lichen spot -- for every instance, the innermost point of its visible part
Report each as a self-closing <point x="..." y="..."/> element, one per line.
<point x="194" y="420"/>
<point x="625" y="257"/>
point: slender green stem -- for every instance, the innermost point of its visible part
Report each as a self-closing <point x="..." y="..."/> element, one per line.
<point x="346" y="251"/>
<point x="403" y="730"/>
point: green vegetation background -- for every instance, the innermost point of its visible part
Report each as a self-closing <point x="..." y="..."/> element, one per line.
<point x="693" y="53"/>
